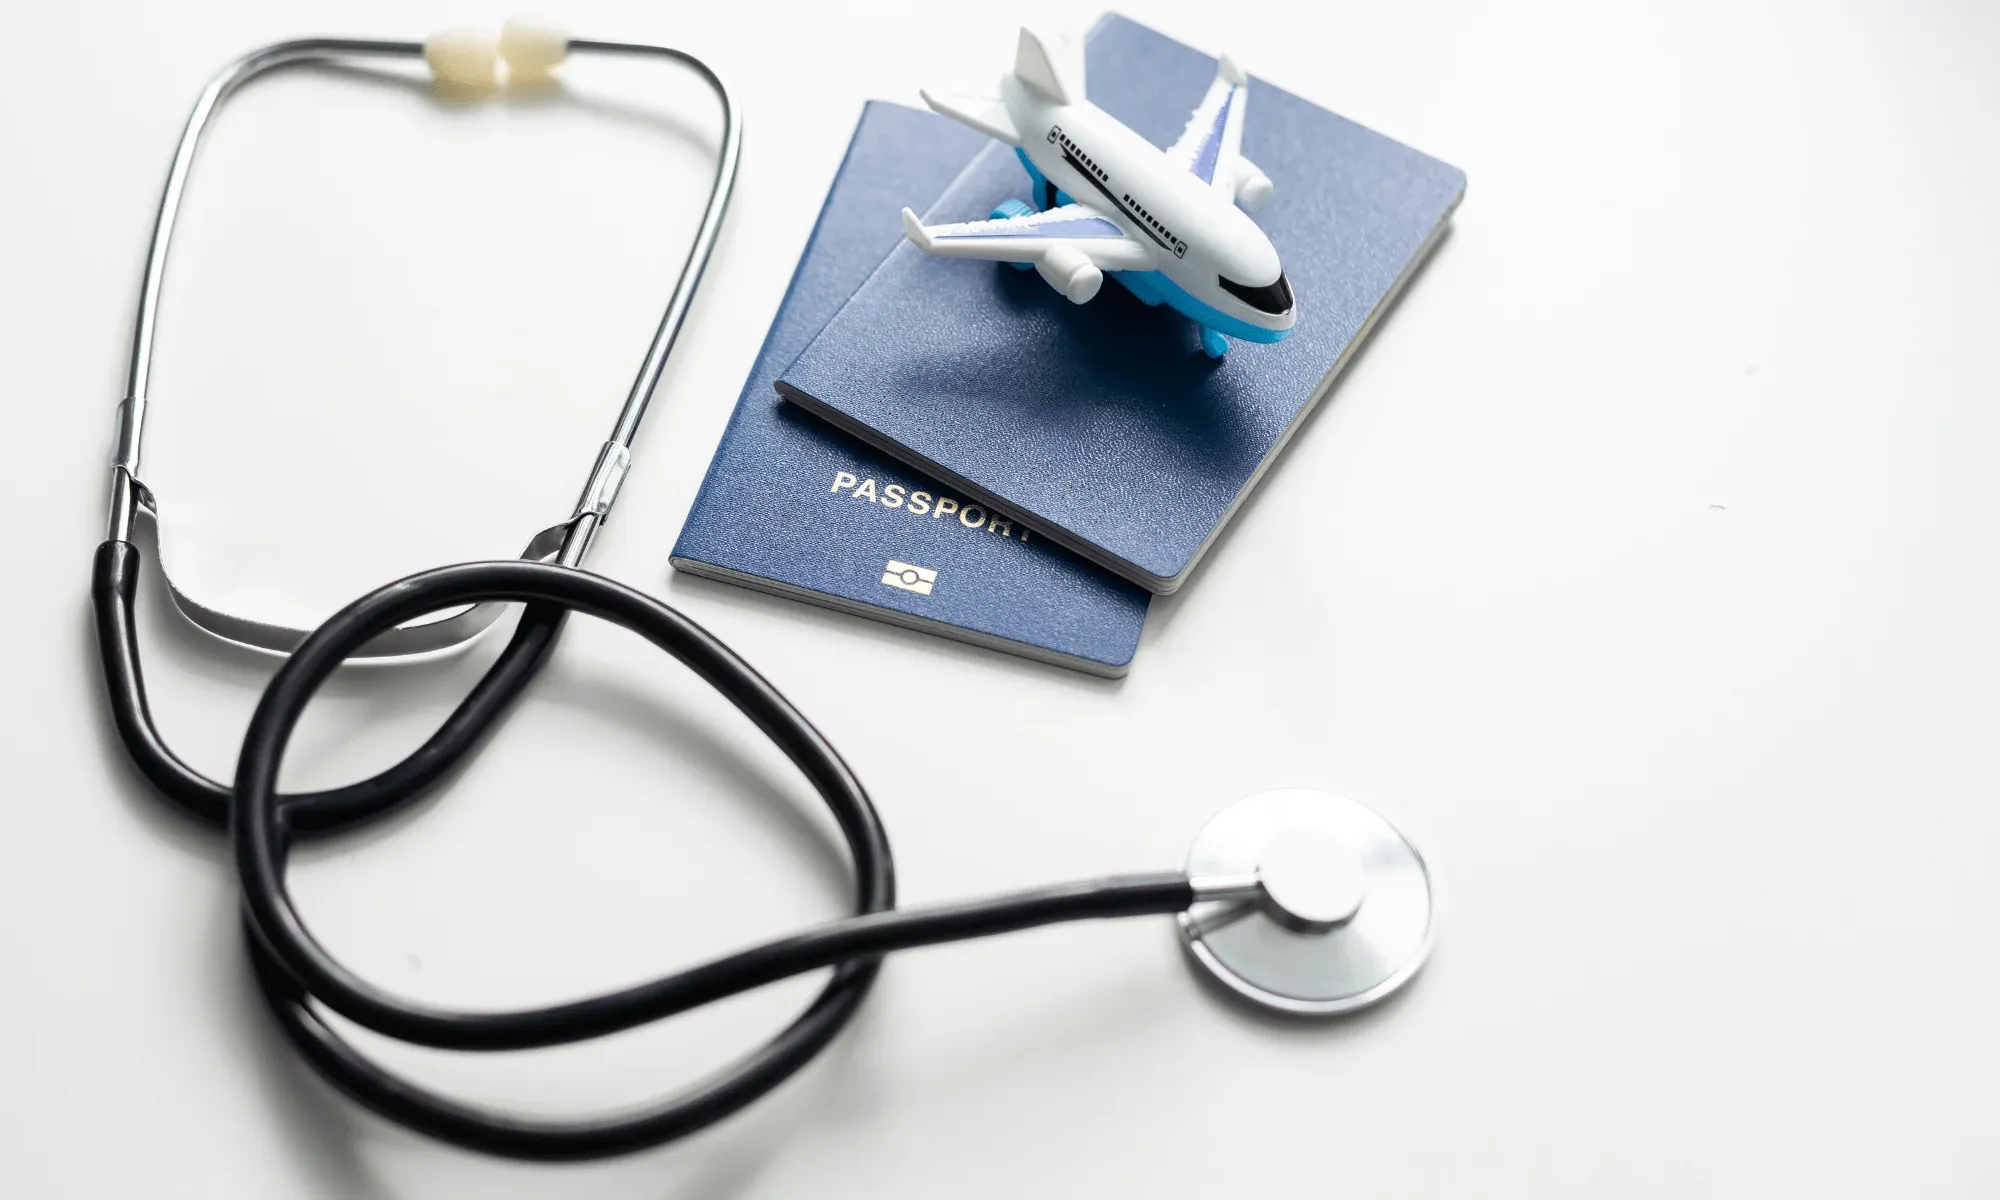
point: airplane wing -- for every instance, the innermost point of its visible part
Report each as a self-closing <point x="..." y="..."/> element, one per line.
<point x="1211" y="146"/>
<point x="1075" y="227"/>
<point x="989" y="117"/>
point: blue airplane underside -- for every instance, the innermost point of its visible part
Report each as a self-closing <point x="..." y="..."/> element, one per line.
<point x="1152" y="288"/>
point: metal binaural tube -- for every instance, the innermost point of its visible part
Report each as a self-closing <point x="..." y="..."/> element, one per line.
<point x="655" y="361"/>
<point x="126" y="493"/>
<point x="129" y="496"/>
<point x="236" y="74"/>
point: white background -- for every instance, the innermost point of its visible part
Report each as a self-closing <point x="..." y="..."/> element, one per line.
<point x="1642" y="569"/>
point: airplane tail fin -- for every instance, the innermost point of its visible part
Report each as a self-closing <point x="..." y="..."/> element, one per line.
<point x="1050" y="66"/>
<point x="913" y="228"/>
<point x="987" y="115"/>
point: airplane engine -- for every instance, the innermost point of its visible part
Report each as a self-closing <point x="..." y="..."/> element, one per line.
<point x="1253" y="191"/>
<point x="1070" y="272"/>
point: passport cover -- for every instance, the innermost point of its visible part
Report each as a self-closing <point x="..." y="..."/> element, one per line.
<point x="791" y="506"/>
<point x="1102" y="425"/>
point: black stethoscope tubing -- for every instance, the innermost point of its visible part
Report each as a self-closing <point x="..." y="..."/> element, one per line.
<point x="293" y="970"/>
<point x="114" y="584"/>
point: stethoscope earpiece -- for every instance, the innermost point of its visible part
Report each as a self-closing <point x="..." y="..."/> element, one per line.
<point x="467" y="61"/>
<point x="1307" y="902"/>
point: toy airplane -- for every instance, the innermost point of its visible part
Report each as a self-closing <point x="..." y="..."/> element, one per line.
<point x="1163" y="223"/>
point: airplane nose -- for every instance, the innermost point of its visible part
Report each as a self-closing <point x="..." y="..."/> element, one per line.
<point x="1273" y="298"/>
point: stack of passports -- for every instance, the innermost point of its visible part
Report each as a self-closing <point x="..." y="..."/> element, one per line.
<point x="966" y="452"/>
<point x="792" y="506"/>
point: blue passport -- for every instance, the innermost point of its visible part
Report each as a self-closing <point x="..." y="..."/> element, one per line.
<point x="1102" y="426"/>
<point x="791" y="506"/>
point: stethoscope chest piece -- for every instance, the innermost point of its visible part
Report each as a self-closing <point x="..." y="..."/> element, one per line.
<point x="1344" y="913"/>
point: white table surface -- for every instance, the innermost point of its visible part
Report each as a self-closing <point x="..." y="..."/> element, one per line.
<point x="1643" y="570"/>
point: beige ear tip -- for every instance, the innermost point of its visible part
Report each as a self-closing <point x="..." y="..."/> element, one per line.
<point x="533" y="50"/>
<point x="463" y="60"/>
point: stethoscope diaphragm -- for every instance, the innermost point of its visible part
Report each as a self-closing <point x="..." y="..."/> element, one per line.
<point x="1344" y="913"/>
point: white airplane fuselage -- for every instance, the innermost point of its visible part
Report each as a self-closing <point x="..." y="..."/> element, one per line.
<point x="1210" y="260"/>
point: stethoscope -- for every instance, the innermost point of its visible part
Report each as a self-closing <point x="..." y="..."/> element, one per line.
<point x="1296" y="900"/>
